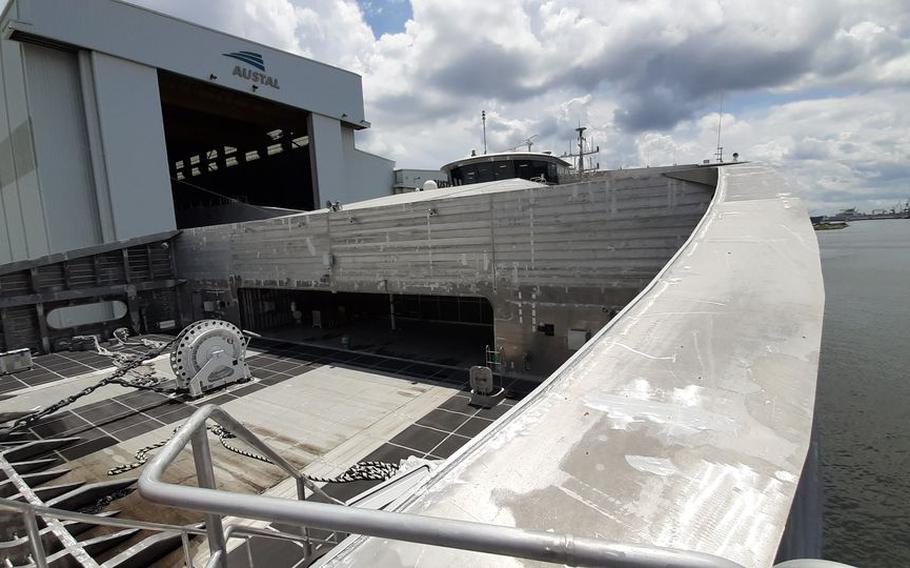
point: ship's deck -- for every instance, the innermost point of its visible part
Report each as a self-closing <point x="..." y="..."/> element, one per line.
<point x="684" y="423"/>
<point x="323" y="408"/>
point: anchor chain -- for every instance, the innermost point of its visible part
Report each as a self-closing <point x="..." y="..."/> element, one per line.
<point x="363" y="471"/>
<point x="115" y="378"/>
<point x="125" y="363"/>
<point x="121" y="337"/>
<point x="103" y="502"/>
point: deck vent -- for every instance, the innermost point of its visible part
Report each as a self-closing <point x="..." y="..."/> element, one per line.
<point x="484" y="392"/>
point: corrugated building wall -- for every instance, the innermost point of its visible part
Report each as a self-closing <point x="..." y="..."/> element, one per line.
<point x="73" y="176"/>
<point x="24" y="231"/>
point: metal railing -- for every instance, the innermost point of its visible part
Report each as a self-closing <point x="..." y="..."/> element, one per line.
<point x="479" y="537"/>
<point x="457" y="534"/>
<point x="31" y="512"/>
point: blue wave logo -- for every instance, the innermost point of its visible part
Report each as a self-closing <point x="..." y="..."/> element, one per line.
<point x="248" y="57"/>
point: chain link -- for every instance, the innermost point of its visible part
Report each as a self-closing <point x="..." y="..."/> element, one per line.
<point x="363" y="471"/>
<point x="103" y="502"/>
<point x="115" y="378"/>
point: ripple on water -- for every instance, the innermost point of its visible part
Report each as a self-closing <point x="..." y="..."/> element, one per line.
<point x="863" y="407"/>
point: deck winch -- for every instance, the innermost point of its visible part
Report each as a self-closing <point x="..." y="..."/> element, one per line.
<point x="209" y="354"/>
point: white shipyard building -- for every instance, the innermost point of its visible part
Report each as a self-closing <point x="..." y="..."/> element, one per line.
<point x="119" y="122"/>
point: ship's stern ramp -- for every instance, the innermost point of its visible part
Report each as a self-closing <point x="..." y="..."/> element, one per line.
<point x="684" y="423"/>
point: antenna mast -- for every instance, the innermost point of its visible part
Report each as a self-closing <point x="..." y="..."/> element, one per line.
<point x="483" y="118"/>
<point x="529" y="141"/>
<point x="719" y="153"/>
<point x="580" y="156"/>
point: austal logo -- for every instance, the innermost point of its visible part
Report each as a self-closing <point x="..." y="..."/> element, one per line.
<point x="253" y="60"/>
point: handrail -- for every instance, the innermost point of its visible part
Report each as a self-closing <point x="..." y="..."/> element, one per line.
<point x="64" y="515"/>
<point x="218" y="557"/>
<point x="29" y="511"/>
<point x="464" y="535"/>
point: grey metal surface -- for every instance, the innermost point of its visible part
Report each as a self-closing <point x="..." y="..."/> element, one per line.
<point x="34" y="539"/>
<point x="64" y="117"/>
<point x="75" y="254"/>
<point x="457" y="534"/>
<point x="23" y="233"/>
<point x="139" y="271"/>
<point x="138" y="552"/>
<point x="684" y="423"/>
<point x="205" y="478"/>
<point x="134" y="147"/>
<point x="31" y="500"/>
<point x="569" y="256"/>
<point x="59" y="131"/>
<point x="811" y="563"/>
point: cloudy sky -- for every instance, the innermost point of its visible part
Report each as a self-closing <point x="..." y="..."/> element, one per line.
<point x="819" y="87"/>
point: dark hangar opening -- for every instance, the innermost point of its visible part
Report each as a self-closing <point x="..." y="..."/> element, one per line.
<point x="233" y="156"/>
<point x="453" y="330"/>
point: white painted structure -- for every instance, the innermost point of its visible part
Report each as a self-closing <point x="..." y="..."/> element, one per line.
<point x="83" y="159"/>
<point x="407" y="180"/>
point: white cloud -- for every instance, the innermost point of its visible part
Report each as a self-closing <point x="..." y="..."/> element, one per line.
<point x="818" y="86"/>
<point x="842" y="151"/>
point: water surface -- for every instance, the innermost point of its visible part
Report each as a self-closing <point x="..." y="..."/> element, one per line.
<point x="863" y="406"/>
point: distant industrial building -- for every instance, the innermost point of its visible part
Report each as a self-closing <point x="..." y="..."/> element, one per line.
<point x="109" y="131"/>
<point x="119" y="126"/>
<point x="407" y="180"/>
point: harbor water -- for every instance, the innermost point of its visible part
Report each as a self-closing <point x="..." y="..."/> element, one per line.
<point x="863" y="404"/>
